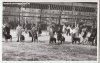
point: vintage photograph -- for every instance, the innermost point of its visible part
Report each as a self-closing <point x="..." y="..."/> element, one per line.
<point x="49" y="31"/>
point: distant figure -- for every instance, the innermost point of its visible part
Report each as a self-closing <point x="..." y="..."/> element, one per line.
<point x="19" y="32"/>
<point x="3" y="31"/>
<point x="51" y="32"/>
<point x="34" y="33"/>
<point x="39" y="29"/>
<point x="6" y="32"/>
<point x="72" y="33"/>
<point x="68" y="30"/>
<point x="77" y="31"/>
<point x="64" y="29"/>
<point x="47" y="30"/>
<point x="85" y="41"/>
<point x="72" y="30"/>
<point x="93" y="35"/>
<point x="59" y="33"/>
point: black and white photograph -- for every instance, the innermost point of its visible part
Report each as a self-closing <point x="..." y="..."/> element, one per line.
<point x="49" y="31"/>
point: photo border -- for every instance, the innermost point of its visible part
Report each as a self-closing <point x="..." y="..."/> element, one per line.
<point x="98" y="50"/>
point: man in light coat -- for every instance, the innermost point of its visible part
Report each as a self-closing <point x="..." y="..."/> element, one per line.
<point x="19" y="32"/>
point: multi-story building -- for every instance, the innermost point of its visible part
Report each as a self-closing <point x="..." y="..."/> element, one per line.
<point x="47" y="12"/>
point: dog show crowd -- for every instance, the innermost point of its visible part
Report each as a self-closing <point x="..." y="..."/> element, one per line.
<point x="82" y="34"/>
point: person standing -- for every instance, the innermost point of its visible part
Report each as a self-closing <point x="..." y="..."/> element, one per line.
<point x="68" y="30"/>
<point x="64" y="29"/>
<point x="39" y="29"/>
<point x="51" y="33"/>
<point x="19" y="32"/>
<point x="3" y="30"/>
<point x="7" y="31"/>
<point x="47" y="30"/>
<point x="77" y="31"/>
<point x="72" y="32"/>
<point x="33" y="32"/>
<point x="93" y="34"/>
<point x="59" y="32"/>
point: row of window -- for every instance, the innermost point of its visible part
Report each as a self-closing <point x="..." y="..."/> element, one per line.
<point x="53" y="7"/>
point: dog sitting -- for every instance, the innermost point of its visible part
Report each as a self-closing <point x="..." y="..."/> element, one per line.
<point x="22" y="38"/>
<point x="52" y="39"/>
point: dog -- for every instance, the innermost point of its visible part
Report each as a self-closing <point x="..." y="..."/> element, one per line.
<point x="59" y="35"/>
<point x="22" y="38"/>
<point x="30" y="35"/>
<point x="52" y="40"/>
<point x="60" y="38"/>
<point x="35" y="37"/>
<point x="91" y="40"/>
<point x="86" y="38"/>
<point x="75" y="39"/>
<point x="8" y="37"/>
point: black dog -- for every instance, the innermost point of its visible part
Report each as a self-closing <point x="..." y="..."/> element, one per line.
<point x="30" y="35"/>
<point x="91" y="39"/>
<point x="22" y="38"/>
<point x="8" y="37"/>
<point x="35" y="37"/>
<point x="74" y="40"/>
<point x="59" y="35"/>
<point x="52" y="39"/>
<point x="60" y="38"/>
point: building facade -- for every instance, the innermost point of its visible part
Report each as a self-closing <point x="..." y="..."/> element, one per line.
<point x="48" y="12"/>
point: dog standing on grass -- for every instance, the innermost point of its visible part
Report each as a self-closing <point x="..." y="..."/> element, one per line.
<point x="75" y="36"/>
<point x="75" y="39"/>
<point x="60" y="38"/>
<point x="52" y="40"/>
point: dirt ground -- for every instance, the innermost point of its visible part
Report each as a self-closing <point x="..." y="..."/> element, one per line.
<point x="43" y="51"/>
